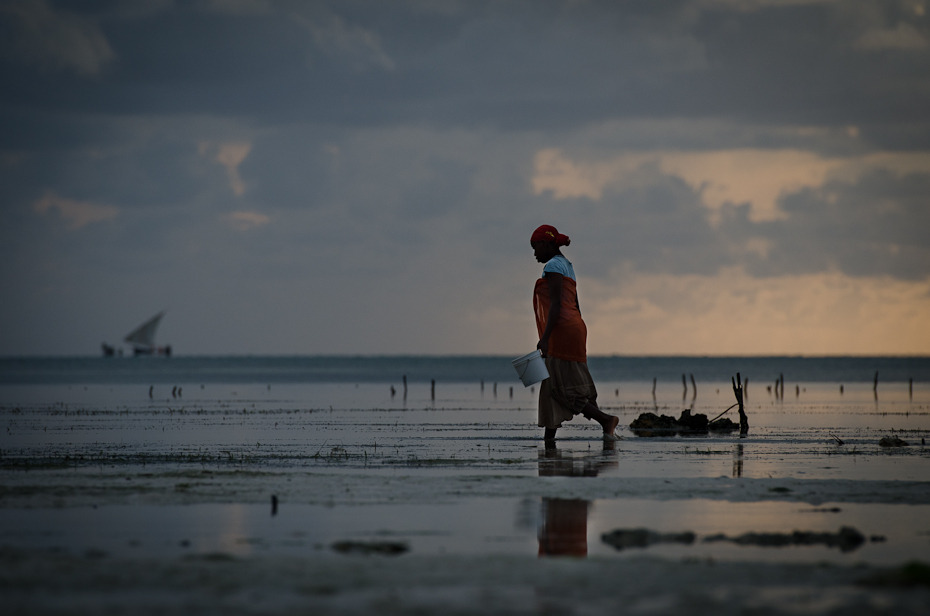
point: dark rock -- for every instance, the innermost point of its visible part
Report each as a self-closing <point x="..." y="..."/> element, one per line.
<point x="623" y="538"/>
<point x="389" y="548"/>
<point x="650" y="424"/>
<point x="892" y="441"/>
<point x="723" y="424"/>
<point x="692" y="424"/>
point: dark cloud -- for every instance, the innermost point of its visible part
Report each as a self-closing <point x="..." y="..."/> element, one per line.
<point x="805" y="64"/>
<point x="510" y="65"/>
<point x="657" y="226"/>
<point x="873" y="226"/>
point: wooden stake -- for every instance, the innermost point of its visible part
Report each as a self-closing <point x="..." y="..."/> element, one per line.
<point x="738" y="392"/>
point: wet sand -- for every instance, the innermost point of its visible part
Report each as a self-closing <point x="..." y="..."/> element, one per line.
<point x="345" y="499"/>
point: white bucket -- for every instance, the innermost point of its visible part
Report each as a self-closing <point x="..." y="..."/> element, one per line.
<point x="531" y="368"/>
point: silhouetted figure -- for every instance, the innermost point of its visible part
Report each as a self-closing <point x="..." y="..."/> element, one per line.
<point x="570" y="389"/>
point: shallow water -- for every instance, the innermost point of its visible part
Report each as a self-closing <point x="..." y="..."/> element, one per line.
<point x="109" y="469"/>
<point x="364" y="426"/>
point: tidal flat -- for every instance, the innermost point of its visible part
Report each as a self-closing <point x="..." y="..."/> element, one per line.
<point x="347" y="498"/>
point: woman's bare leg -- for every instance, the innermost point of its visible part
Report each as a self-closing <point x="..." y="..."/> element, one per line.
<point x="608" y="422"/>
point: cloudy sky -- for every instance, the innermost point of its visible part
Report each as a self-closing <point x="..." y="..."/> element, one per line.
<point x="362" y="176"/>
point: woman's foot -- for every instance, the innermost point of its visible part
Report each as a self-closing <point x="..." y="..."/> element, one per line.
<point x="610" y="425"/>
<point x="549" y="435"/>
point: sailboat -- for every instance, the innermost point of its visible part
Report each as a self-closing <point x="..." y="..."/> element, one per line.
<point x="142" y="338"/>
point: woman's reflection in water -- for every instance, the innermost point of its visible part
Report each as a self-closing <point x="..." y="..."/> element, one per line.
<point x="563" y="528"/>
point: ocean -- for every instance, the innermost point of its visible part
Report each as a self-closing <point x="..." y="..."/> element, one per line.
<point x="449" y="369"/>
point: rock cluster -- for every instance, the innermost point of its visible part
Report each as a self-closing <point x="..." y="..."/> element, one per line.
<point x="846" y="539"/>
<point x="650" y="424"/>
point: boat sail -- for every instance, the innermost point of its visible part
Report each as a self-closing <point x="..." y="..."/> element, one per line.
<point x="142" y="338"/>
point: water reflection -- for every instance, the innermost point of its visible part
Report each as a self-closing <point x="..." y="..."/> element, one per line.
<point x="738" y="460"/>
<point x="563" y="527"/>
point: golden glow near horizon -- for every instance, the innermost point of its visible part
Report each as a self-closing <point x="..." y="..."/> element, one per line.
<point x="732" y="313"/>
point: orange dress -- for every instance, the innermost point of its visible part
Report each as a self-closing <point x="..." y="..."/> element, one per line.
<point x="569" y="336"/>
<point x="569" y="387"/>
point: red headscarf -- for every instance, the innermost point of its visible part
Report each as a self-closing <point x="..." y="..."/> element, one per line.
<point x="548" y="233"/>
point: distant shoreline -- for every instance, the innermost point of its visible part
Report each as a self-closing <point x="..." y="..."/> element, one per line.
<point x="453" y="368"/>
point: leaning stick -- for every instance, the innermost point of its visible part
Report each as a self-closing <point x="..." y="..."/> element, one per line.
<point x="729" y="408"/>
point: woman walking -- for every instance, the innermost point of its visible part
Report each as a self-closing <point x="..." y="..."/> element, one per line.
<point x="569" y="390"/>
